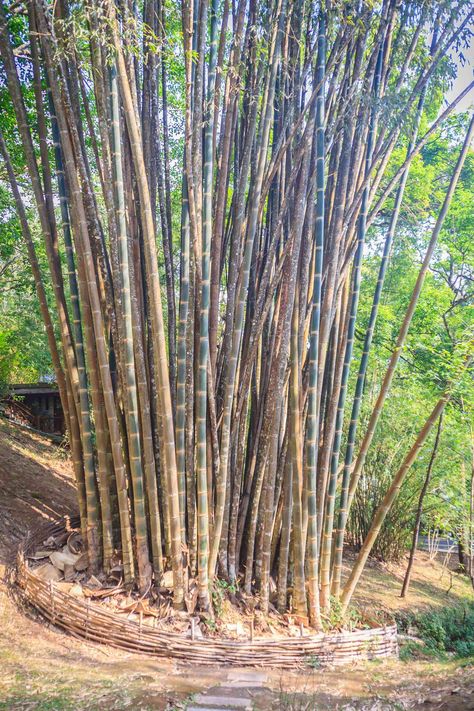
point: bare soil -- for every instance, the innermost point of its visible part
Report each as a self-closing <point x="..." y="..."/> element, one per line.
<point x="44" y="669"/>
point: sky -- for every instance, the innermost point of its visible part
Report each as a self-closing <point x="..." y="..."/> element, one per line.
<point x="464" y="77"/>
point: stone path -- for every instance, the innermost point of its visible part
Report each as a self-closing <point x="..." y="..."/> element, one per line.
<point x="235" y="695"/>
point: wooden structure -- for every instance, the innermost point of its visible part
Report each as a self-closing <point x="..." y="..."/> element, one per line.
<point x="84" y="618"/>
<point x="37" y="405"/>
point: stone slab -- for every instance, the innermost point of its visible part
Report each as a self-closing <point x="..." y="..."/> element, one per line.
<point x="222" y="700"/>
<point x="247" y="675"/>
<point x="247" y="679"/>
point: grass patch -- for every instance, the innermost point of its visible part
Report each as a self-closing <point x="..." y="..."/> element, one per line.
<point x="443" y="633"/>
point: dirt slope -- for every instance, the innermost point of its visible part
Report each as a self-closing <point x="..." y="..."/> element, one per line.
<point x="36" y="483"/>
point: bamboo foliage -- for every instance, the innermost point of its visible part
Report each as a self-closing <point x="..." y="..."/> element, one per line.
<point x="394" y="489"/>
<point x="209" y="441"/>
<point x="408" y="317"/>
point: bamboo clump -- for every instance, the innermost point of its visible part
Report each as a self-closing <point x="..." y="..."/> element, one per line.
<point x="215" y="169"/>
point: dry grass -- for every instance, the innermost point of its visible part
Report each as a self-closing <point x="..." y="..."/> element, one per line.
<point x="434" y="584"/>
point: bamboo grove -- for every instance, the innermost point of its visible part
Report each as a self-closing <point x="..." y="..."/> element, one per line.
<point x="204" y="174"/>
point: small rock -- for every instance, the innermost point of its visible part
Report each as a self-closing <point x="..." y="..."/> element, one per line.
<point x="48" y="571"/>
<point x="237" y="628"/>
<point x="405" y="638"/>
<point x="49" y="542"/>
<point x="197" y="632"/>
<point x="61" y="558"/>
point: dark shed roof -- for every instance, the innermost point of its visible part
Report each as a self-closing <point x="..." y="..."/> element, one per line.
<point x="33" y="389"/>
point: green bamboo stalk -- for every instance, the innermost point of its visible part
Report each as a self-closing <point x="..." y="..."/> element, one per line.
<point x="354" y="302"/>
<point x="149" y="461"/>
<point x="181" y="358"/>
<point x="224" y="164"/>
<point x="286" y="332"/>
<point x="131" y="408"/>
<point x="295" y="449"/>
<point x="156" y="313"/>
<point x="89" y="293"/>
<point x="87" y="431"/>
<point x="285" y="536"/>
<point x="145" y="389"/>
<point x="232" y="562"/>
<point x="204" y="561"/>
<point x="49" y="233"/>
<point x="76" y="456"/>
<point x="238" y="323"/>
<point x="203" y="355"/>
<point x="312" y="418"/>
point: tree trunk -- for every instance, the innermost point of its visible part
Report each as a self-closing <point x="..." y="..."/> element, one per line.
<point x="419" y="510"/>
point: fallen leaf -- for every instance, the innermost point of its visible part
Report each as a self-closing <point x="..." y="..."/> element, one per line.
<point x="75" y="543"/>
<point x="69" y="572"/>
<point x="82" y="562"/>
<point x="39" y="555"/>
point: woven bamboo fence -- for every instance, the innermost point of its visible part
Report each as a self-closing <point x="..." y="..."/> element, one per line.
<point x="92" y="621"/>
